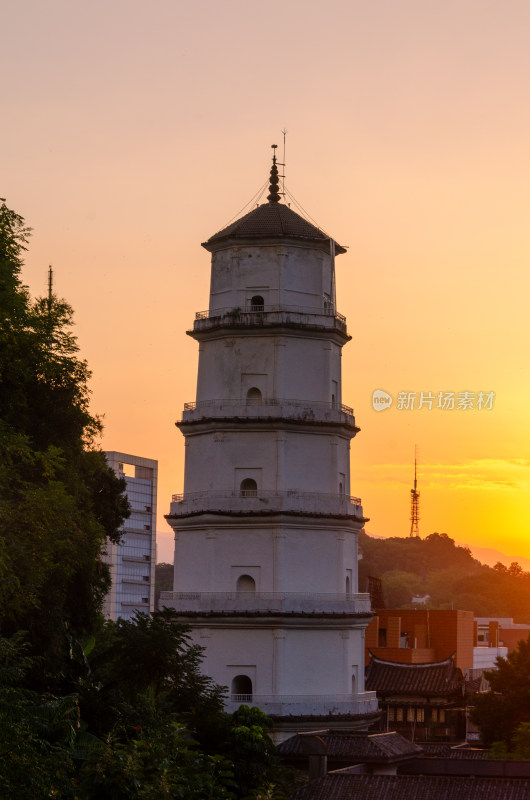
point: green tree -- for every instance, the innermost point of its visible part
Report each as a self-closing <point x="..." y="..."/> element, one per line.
<point x="59" y="501"/>
<point x="163" y="581"/>
<point x="36" y="734"/>
<point x="501" y="710"/>
<point x="257" y="768"/>
<point x="145" y="668"/>
<point x="160" y="765"/>
<point x="399" y="587"/>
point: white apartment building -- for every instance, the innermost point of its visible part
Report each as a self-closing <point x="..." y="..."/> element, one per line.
<point x="132" y="562"/>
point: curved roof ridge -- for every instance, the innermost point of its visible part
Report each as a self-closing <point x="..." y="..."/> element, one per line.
<point x="448" y="660"/>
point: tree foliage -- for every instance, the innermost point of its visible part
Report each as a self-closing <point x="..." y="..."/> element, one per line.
<point x="59" y="501"/>
<point x="499" y="712"/>
<point x="89" y="709"/>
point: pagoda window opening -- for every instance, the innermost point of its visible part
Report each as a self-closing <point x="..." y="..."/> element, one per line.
<point x="254" y="396"/>
<point x="257" y="303"/>
<point x="241" y="689"/>
<point x="248" y="488"/>
<point x="246" y="583"/>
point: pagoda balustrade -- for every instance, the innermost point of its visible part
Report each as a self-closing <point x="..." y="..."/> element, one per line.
<point x="267" y="315"/>
<point x="269" y="408"/>
<point x="259" y="501"/>
<point x="266" y="602"/>
<point x="306" y="705"/>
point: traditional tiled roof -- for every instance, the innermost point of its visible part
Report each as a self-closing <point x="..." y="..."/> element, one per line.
<point x="270" y="221"/>
<point x="434" y="679"/>
<point x="477" y="684"/>
<point x="448" y="750"/>
<point x="353" y="746"/>
<point x="346" y="786"/>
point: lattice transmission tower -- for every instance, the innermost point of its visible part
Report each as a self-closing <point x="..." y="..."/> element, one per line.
<point x="415" y="502"/>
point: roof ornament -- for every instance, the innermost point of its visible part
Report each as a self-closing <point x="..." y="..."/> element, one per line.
<point x="274" y="195"/>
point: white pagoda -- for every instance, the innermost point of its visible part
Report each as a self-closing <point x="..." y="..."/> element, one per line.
<point x="266" y="528"/>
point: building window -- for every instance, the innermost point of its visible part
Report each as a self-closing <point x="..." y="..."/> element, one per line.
<point x="420" y="715"/>
<point x="246" y="583"/>
<point x="241" y="689"/>
<point x="348" y="586"/>
<point x="248" y="488"/>
<point x="441" y="715"/>
<point x="257" y="303"/>
<point x="399" y="715"/>
<point x="434" y="715"/>
<point x="391" y="714"/>
<point x="253" y="396"/>
<point x="382" y="637"/>
<point x="410" y="715"/>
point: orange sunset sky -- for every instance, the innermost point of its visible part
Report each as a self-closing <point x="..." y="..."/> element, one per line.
<point x="133" y="130"/>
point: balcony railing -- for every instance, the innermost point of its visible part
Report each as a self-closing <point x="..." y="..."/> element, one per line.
<point x="306" y="411"/>
<point x="305" y="705"/>
<point x="266" y="602"/>
<point x="258" y="501"/>
<point x="270" y="315"/>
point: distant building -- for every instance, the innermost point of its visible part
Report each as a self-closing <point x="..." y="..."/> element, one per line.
<point x="413" y="636"/>
<point x="500" y="632"/>
<point x="420" y="701"/>
<point x="132" y="562"/>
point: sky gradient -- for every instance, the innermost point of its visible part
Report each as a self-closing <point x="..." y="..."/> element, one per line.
<point x="132" y="131"/>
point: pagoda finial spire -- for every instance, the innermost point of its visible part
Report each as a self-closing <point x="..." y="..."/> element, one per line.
<point x="274" y="195"/>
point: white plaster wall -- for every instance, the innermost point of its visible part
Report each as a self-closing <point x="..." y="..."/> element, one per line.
<point x="282" y="274"/>
<point x="296" y="558"/>
<point x="284" y="661"/>
<point x="286" y="366"/>
<point x="308" y="461"/>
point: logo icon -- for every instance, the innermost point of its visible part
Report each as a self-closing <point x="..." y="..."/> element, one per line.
<point x="381" y="400"/>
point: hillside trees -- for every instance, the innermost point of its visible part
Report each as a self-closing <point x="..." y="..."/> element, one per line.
<point x="448" y="573"/>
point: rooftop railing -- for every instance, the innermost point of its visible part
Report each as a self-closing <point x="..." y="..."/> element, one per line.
<point x="269" y="401"/>
<point x="303" y="705"/>
<point x="267" y="602"/>
<point x="270" y="314"/>
<point x="259" y="501"/>
<point x="302" y="410"/>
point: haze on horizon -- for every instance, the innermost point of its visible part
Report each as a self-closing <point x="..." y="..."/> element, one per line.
<point x="133" y="131"/>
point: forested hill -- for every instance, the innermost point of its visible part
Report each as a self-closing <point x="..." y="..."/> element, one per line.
<point x="447" y="572"/>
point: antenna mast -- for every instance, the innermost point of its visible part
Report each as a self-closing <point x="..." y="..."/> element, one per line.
<point x="285" y="132"/>
<point x="50" y="286"/>
<point x="415" y="500"/>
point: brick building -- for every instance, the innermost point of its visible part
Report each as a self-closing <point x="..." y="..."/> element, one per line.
<point x="416" y="636"/>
